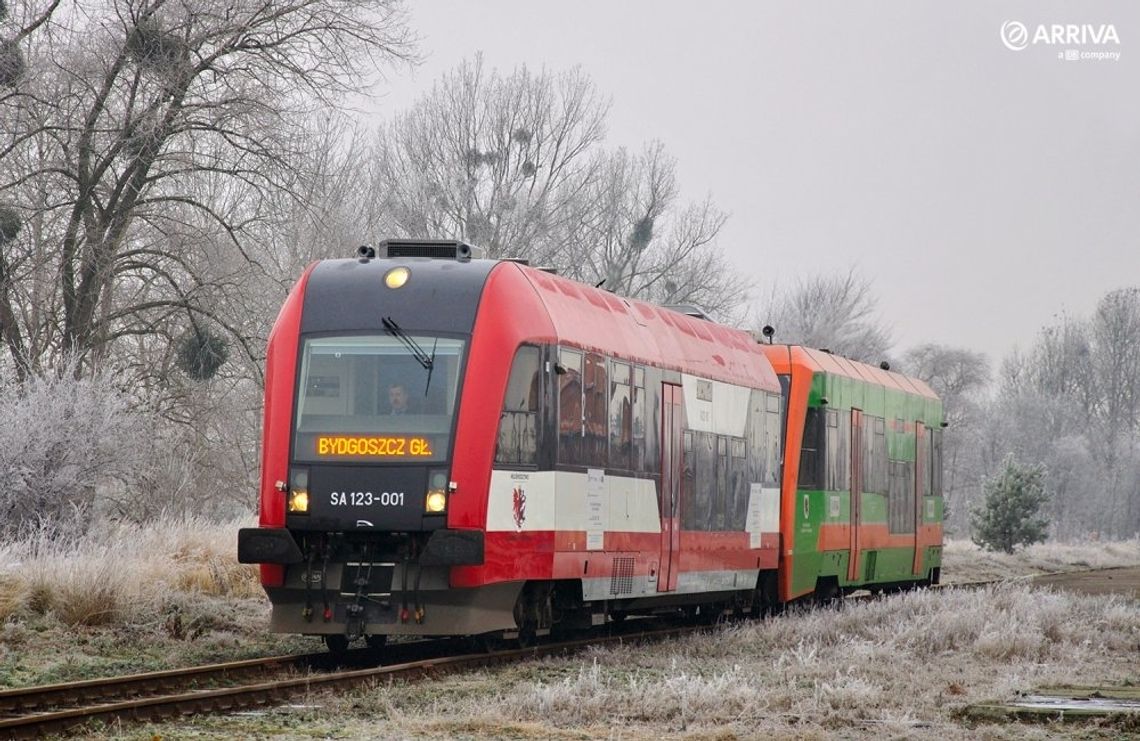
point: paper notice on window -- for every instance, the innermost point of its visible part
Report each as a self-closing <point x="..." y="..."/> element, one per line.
<point x="763" y="512"/>
<point x="595" y="509"/>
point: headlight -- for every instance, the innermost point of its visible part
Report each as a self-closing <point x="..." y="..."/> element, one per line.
<point x="298" y="499"/>
<point x="299" y="502"/>
<point x="436" y="500"/>
<point x="397" y="277"/>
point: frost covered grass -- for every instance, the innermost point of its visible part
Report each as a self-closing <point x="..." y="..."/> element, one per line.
<point x="130" y="572"/>
<point x="901" y="666"/>
<point x="128" y="598"/>
<point x="963" y="561"/>
<point x="101" y="577"/>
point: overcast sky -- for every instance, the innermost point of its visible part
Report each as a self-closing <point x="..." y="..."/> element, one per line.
<point x="985" y="190"/>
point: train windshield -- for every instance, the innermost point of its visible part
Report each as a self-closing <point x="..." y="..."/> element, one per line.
<point x="377" y="398"/>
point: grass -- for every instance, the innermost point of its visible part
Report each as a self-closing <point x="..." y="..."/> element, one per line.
<point x="122" y="572"/>
<point x="906" y="666"/>
<point x="127" y="599"/>
<point x="138" y="599"/>
<point x="963" y="561"/>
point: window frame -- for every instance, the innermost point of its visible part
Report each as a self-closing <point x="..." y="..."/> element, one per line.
<point x="530" y="418"/>
<point x="813" y="455"/>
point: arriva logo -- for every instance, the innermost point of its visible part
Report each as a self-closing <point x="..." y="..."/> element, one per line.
<point x="1015" y="35"/>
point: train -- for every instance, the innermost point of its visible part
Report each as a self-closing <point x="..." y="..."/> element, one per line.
<point x="458" y="446"/>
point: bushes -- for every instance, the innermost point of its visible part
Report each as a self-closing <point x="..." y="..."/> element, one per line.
<point x="61" y="440"/>
<point x="75" y="451"/>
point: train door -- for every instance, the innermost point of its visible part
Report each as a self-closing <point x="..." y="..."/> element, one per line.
<point x="672" y="457"/>
<point x="919" y="477"/>
<point x="853" y="565"/>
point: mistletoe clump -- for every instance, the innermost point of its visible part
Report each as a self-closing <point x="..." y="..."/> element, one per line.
<point x="201" y="353"/>
<point x="12" y="65"/>
<point x="10" y="223"/>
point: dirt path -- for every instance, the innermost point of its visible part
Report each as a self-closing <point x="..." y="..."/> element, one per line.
<point x="1123" y="581"/>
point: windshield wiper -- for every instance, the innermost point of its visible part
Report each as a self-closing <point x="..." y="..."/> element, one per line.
<point x="430" y="365"/>
<point x="425" y="360"/>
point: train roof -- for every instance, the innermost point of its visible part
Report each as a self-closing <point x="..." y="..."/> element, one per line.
<point x="786" y="357"/>
<point x="592" y="318"/>
<point x="452" y="282"/>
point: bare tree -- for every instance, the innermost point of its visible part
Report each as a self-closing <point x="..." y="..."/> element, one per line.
<point x="1116" y="374"/>
<point x="155" y="158"/>
<point x="634" y="237"/>
<point x="836" y="312"/>
<point x="513" y="163"/>
<point x="956" y="375"/>
<point x="491" y="159"/>
<point x="142" y="124"/>
<point x="961" y="378"/>
<point x="329" y="211"/>
<point x="1071" y="404"/>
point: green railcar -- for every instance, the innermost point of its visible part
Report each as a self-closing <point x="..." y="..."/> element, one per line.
<point x="861" y="499"/>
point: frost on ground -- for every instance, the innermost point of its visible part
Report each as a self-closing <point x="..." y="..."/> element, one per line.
<point x="899" y="667"/>
<point x="104" y="576"/>
<point x="128" y="598"/>
<point x="118" y="573"/>
<point x="132" y="599"/>
<point x="963" y="561"/>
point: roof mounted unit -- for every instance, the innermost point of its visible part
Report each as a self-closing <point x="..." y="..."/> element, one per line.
<point x="439" y="249"/>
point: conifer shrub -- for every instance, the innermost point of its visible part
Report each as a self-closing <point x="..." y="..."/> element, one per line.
<point x="1010" y="515"/>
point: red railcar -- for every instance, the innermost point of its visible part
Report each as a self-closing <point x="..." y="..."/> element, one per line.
<point x="464" y="446"/>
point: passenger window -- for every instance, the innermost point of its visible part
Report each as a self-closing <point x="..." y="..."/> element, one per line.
<point x="715" y="486"/>
<point x="925" y="452"/>
<point x="518" y="422"/>
<point x="900" y="498"/>
<point x="621" y="416"/>
<point x="721" y="502"/>
<point x="737" y="485"/>
<point x="705" y="490"/>
<point x="595" y="386"/>
<point x="838" y="458"/>
<point x="571" y="424"/>
<point x="936" y="464"/>
<point x="775" y="436"/>
<point x="875" y="473"/>
<point x="647" y="408"/>
<point x="756" y="438"/>
<point x="832" y="448"/>
<point x="689" y="514"/>
<point x="637" y="424"/>
<point x="812" y="451"/>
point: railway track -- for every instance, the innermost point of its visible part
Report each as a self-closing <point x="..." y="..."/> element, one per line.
<point x="30" y="711"/>
<point x="34" y="711"/>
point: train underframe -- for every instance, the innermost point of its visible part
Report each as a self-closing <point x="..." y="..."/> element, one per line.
<point x="346" y="589"/>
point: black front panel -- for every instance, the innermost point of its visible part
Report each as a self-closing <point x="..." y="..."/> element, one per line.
<point x="363" y="451"/>
<point x="364" y="499"/>
<point x="350" y="295"/>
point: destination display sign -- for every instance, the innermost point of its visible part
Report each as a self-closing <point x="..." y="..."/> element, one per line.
<point x="373" y="446"/>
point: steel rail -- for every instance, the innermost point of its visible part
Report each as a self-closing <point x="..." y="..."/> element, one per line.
<point x="159" y="707"/>
<point x="90" y="690"/>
